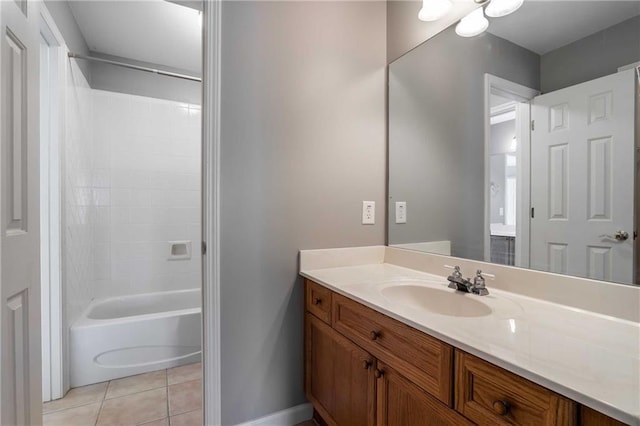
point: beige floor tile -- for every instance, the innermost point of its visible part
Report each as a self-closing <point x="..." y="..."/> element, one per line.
<point x="136" y="384"/>
<point x="76" y="397"/>
<point x="192" y="418"/>
<point x="185" y="397"/>
<point x="184" y="373"/>
<point x="162" y="422"/>
<point x="85" y="415"/>
<point x="134" y="409"/>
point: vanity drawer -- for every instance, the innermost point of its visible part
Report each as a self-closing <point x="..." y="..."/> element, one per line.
<point x="422" y="359"/>
<point x="489" y="395"/>
<point x="318" y="300"/>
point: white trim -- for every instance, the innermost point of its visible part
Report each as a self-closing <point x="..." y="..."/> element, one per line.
<point x="629" y="67"/>
<point x="289" y="417"/>
<point x="54" y="310"/>
<point x="212" y="10"/>
<point x="521" y="95"/>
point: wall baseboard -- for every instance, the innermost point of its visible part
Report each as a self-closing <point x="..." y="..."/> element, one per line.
<point x="289" y="417"/>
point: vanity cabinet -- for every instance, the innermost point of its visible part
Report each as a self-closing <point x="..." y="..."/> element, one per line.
<point x="339" y="376"/>
<point x="365" y="368"/>
<point x="488" y="394"/>
<point x="401" y="402"/>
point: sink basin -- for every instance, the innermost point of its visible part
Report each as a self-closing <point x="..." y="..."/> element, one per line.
<point x="443" y="302"/>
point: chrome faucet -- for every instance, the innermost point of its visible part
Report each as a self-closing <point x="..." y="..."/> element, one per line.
<point x="459" y="283"/>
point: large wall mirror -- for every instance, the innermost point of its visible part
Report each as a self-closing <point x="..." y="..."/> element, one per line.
<point x="519" y="146"/>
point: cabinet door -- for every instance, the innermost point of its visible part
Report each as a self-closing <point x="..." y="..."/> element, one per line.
<point x="339" y="378"/>
<point x="402" y="403"/>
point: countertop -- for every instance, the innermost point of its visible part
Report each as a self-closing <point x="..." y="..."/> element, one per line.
<point x="591" y="358"/>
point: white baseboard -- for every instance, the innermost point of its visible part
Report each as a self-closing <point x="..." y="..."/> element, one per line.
<point x="289" y="417"/>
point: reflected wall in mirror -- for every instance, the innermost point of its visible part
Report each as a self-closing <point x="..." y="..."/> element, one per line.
<point x="519" y="146"/>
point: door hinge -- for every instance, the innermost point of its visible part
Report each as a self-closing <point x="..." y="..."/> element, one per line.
<point x="533" y="125"/>
<point x="635" y="234"/>
<point x="204" y="248"/>
<point x="533" y="212"/>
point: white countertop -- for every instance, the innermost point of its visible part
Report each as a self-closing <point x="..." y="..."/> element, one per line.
<point x="591" y="358"/>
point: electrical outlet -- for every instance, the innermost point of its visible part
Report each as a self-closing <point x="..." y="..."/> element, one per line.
<point x="368" y="212"/>
<point x="401" y="212"/>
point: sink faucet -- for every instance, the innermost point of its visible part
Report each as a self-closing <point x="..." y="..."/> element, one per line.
<point x="459" y="283"/>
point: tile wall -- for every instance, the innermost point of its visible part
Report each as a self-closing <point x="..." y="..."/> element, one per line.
<point x="148" y="152"/>
<point x="85" y="197"/>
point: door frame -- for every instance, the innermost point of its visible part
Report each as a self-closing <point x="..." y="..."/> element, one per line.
<point x="53" y="337"/>
<point x="522" y="95"/>
<point x="211" y="143"/>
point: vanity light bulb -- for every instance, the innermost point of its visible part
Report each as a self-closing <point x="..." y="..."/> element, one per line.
<point x="499" y="8"/>
<point x="432" y="10"/>
<point x="473" y="24"/>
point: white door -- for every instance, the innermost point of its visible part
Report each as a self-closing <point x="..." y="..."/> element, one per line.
<point x="20" y="367"/>
<point x="582" y="174"/>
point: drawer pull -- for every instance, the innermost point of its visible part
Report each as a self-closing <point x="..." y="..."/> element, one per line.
<point x="378" y="373"/>
<point x="374" y="335"/>
<point x="317" y="301"/>
<point x="366" y="364"/>
<point x="501" y="407"/>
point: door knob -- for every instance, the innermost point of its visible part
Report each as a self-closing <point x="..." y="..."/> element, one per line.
<point x="618" y="236"/>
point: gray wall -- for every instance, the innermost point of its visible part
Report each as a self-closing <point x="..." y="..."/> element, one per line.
<point x="303" y="144"/>
<point x="124" y="80"/>
<point x="66" y="23"/>
<point x="574" y="63"/>
<point x="436" y="139"/>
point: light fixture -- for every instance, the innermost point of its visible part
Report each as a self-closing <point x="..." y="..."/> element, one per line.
<point x="473" y="24"/>
<point x="432" y="10"/>
<point x="499" y="8"/>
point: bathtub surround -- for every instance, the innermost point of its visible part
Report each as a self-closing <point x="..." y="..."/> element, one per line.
<point x="149" y="149"/>
<point x="83" y="204"/>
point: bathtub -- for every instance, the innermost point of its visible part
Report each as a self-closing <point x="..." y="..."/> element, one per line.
<point x="123" y="336"/>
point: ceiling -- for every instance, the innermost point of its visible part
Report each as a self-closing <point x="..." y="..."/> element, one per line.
<point x="154" y="31"/>
<point x="542" y="26"/>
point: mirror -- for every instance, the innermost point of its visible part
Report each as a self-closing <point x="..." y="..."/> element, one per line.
<point x="519" y="146"/>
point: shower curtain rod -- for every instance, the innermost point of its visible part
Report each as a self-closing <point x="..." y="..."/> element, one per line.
<point x="135" y="67"/>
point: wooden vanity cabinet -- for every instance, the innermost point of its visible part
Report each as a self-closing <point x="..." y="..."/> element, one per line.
<point x="365" y="368"/>
<point x="589" y="417"/>
<point x="489" y="395"/>
<point x="402" y="403"/>
<point x="339" y="378"/>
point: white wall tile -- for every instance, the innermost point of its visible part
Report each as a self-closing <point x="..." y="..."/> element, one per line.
<point x="153" y="176"/>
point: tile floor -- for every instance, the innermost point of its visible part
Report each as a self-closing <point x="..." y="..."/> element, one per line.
<point x="160" y="398"/>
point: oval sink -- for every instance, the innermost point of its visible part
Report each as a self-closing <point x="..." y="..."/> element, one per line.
<point x="443" y="302"/>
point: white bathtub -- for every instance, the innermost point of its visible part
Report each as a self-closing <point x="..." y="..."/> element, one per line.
<point x="123" y="336"/>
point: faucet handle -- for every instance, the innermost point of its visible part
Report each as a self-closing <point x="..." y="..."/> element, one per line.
<point x="479" y="286"/>
<point x="455" y="278"/>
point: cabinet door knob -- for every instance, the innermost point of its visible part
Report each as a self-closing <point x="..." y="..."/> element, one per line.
<point x="374" y="335"/>
<point x="378" y="373"/>
<point x="366" y="364"/>
<point x="501" y="407"/>
<point x="317" y="301"/>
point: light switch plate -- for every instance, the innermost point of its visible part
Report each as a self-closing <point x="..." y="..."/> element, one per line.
<point x="368" y="212"/>
<point x="401" y="212"/>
